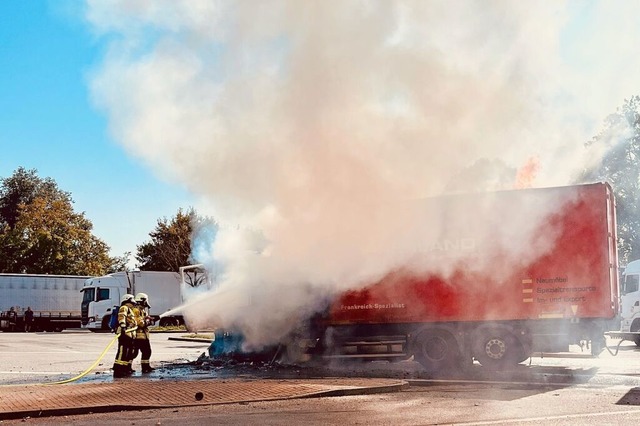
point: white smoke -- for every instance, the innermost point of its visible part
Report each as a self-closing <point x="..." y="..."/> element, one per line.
<point x="314" y="122"/>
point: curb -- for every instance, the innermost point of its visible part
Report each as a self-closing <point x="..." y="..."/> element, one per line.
<point x="188" y="339"/>
<point x="26" y="401"/>
<point x="372" y="390"/>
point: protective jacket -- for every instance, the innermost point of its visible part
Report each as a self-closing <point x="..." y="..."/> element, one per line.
<point x="127" y="320"/>
<point x="142" y="322"/>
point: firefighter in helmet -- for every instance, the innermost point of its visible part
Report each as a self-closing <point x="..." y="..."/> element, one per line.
<point x="143" y="321"/>
<point x="126" y="336"/>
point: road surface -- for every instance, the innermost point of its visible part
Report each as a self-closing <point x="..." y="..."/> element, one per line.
<point x="572" y="390"/>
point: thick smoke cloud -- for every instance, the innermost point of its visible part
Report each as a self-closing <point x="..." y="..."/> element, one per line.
<point x="314" y="122"/>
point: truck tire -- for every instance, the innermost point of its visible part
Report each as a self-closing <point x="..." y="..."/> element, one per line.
<point x="104" y="325"/>
<point x="436" y="350"/>
<point x="497" y="349"/>
<point x="635" y="327"/>
<point x="598" y="344"/>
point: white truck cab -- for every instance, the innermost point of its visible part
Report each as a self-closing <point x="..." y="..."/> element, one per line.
<point x="102" y="294"/>
<point x="630" y="299"/>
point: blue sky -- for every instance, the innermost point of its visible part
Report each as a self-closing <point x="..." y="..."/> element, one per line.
<point x="48" y="122"/>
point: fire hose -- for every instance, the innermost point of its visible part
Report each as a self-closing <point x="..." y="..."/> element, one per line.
<point x="88" y="370"/>
<point x="617" y="348"/>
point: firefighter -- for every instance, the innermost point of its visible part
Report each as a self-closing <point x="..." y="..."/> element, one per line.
<point x="143" y="321"/>
<point x="126" y="336"/>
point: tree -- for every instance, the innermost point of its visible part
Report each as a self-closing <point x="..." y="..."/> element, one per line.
<point x="119" y="263"/>
<point x="171" y="242"/>
<point x="620" y="168"/>
<point x="196" y="276"/>
<point x="41" y="233"/>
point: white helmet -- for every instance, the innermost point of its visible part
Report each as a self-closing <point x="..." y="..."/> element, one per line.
<point x="127" y="298"/>
<point x="142" y="298"/>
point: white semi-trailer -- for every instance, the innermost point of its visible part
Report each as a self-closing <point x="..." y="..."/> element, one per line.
<point x="54" y="300"/>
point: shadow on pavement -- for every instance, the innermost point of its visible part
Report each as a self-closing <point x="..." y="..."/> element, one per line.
<point x="632" y="397"/>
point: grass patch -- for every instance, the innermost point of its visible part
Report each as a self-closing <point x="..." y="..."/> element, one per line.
<point x="199" y="336"/>
<point x="169" y="329"/>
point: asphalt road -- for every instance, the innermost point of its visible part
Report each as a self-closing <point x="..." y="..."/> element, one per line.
<point x="572" y="390"/>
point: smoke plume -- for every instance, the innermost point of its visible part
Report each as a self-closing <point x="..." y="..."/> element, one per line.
<point x="306" y="127"/>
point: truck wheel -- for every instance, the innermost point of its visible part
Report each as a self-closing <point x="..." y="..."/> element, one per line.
<point x="436" y="350"/>
<point x="105" y="323"/>
<point x="497" y="349"/>
<point x="597" y="345"/>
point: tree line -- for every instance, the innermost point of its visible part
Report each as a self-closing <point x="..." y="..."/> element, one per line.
<point x="620" y="137"/>
<point x="41" y="233"/>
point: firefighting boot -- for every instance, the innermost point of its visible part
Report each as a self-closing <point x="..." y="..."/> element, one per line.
<point x="119" y="371"/>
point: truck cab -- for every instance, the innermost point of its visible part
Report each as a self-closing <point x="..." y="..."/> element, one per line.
<point x="100" y="296"/>
<point x="630" y="299"/>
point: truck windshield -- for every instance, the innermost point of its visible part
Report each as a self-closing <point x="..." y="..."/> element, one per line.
<point x="630" y="283"/>
<point x="89" y="295"/>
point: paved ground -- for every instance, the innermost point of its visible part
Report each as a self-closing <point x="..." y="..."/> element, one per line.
<point x="20" y="401"/>
<point x="45" y="358"/>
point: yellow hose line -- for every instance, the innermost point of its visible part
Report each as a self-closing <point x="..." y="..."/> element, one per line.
<point x="88" y="370"/>
<point x="85" y="372"/>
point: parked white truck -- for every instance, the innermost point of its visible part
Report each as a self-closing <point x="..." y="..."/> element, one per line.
<point x="54" y="300"/>
<point x="102" y="294"/>
<point x="630" y="302"/>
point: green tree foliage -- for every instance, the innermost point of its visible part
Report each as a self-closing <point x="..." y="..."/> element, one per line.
<point x="119" y="263"/>
<point x="171" y="242"/>
<point x="41" y="234"/>
<point x="620" y="167"/>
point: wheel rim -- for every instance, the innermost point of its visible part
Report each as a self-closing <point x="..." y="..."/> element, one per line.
<point x="495" y="348"/>
<point x="436" y="348"/>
